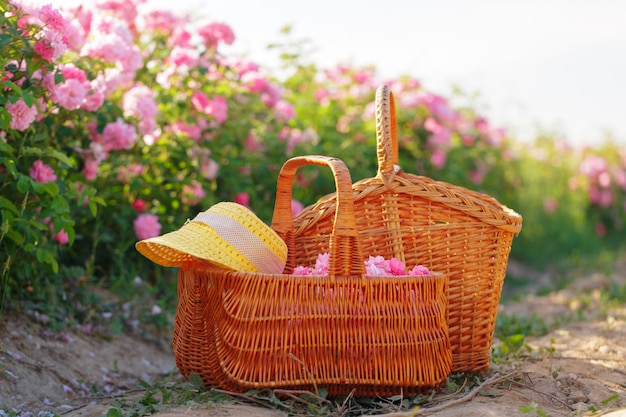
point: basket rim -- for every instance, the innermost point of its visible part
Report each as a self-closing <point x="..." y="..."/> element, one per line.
<point x="464" y="200"/>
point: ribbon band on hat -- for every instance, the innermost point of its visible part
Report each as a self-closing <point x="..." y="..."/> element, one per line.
<point x="243" y="240"/>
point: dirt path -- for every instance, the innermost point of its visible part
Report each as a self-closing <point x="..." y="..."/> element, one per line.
<point x="576" y="369"/>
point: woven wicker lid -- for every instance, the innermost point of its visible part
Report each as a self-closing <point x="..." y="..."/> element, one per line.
<point x="228" y="235"/>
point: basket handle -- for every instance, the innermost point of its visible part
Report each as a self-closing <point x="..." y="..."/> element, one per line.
<point x="386" y="135"/>
<point x="345" y="251"/>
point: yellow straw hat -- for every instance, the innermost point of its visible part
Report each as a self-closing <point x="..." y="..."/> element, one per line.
<point x="227" y="235"/>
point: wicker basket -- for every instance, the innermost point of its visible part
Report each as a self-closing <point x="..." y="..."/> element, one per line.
<point x="346" y="332"/>
<point x="464" y="234"/>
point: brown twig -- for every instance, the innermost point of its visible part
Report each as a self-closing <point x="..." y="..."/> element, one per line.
<point x="551" y="397"/>
<point x="296" y="395"/>
<point x="494" y="379"/>
<point x="242" y="396"/>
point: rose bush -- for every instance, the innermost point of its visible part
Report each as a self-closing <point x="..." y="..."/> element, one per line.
<point x="117" y="125"/>
<point x="112" y="129"/>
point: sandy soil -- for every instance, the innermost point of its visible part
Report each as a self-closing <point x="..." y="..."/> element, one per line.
<point x="576" y="369"/>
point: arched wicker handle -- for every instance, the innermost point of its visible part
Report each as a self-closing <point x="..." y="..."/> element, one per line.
<point x="386" y="134"/>
<point x="345" y="252"/>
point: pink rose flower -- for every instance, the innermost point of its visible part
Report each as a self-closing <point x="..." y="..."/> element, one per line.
<point x="302" y="270"/>
<point x="255" y="82"/>
<point x="71" y="94"/>
<point x="110" y="47"/>
<point x="183" y="56"/>
<point x="396" y="266"/>
<point x="139" y="102"/>
<point x="377" y="266"/>
<point x="161" y="20"/>
<point x="271" y="95"/>
<point x="321" y="264"/>
<point x="192" y="194"/>
<point x="62" y="238"/>
<point x="239" y="64"/>
<point x="296" y="207"/>
<point x="48" y="83"/>
<point x="71" y="71"/>
<point x="139" y="206"/>
<point x="218" y="107"/>
<point x="200" y="101"/>
<point x="146" y="226"/>
<point x="438" y="158"/>
<point x="119" y="135"/>
<point x="216" y="32"/>
<point x="125" y="174"/>
<point x="41" y="172"/>
<point x="593" y="166"/>
<point x="284" y="111"/>
<point x="90" y="171"/>
<point x="243" y="199"/>
<point x="52" y="18"/>
<point x="419" y="270"/>
<point x="93" y="100"/>
<point x="209" y="169"/>
<point x="193" y="132"/>
<point x="51" y="46"/>
<point x="124" y="9"/>
<point x="21" y="115"/>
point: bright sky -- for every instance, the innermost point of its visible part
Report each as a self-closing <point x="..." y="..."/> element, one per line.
<point x="559" y="64"/>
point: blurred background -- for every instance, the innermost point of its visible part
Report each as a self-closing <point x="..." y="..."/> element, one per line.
<point x="556" y="65"/>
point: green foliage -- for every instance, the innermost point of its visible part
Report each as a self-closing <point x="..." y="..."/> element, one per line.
<point x="533" y="408"/>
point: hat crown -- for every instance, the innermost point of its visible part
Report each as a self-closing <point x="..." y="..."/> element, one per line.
<point x="227" y="235"/>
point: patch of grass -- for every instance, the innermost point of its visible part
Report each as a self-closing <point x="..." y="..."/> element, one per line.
<point x="164" y="395"/>
<point x="509" y="325"/>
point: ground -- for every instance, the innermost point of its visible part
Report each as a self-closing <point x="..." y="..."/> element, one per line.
<point x="578" y="368"/>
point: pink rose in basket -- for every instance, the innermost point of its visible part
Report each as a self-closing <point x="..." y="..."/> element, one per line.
<point x="396" y="266"/>
<point x="377" y="265"/>
<point x="419" y="270"/>
<point x="374" y="266"/>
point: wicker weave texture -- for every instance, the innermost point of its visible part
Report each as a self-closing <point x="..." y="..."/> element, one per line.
<point x="464" y="234"/>
<point x="346" y="332"/>
<point x="372" y="336"/>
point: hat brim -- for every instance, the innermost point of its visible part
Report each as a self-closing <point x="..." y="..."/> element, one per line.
<point x="194" y="240"/>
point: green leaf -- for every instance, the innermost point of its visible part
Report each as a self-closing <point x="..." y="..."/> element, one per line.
<point x="5" y="119"/>
<point x="5" y="148"/>
<point x="60" y="205"/>
<point x="61" y="157"/>
<point x="23" y="184"/>
<point x="114" y="412"/>
<point x="609" y="399"/>
<point x="71" y="235"/>
<point x="51" y="188"/>
<point x="38" y="187"/>
<point x="93" y="208"/>
<point x="148" y="398"/>
<point x="197" y="382"/>
<point x="4" y="39"/>
<point x="43" y="255"/>
<point x="15" y="236"/>
<point x="13" y="87"/>
<point x="29" y="100"/>
<point x="54" y="264"/>
<point x="7" y="204"/>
